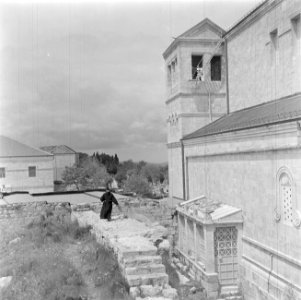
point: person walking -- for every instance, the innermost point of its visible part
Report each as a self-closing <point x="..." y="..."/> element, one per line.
<point x="108" y="199"/>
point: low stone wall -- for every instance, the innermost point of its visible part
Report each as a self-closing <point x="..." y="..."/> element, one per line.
<point x="32" y="209"/>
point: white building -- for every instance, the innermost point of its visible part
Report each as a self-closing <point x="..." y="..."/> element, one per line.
<point x="64" y="157"/>
<point x="243" y="169"/>
<point x="24" y="168"/>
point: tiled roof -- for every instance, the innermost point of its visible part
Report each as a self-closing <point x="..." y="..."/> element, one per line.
<point x="269" y="113"/>
<point x="12" y="148"/>
<point x="61" y="149"/>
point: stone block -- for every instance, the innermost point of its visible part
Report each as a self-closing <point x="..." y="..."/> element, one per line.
<point x="141" y="261"/>
<point x="146" y="269"/>
<point x="170" y="293"/>
<point x="150" y="291"/>
<point x="134" y="292"/>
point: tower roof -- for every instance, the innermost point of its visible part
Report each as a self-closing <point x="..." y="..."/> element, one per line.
<point x="206" y="30"/>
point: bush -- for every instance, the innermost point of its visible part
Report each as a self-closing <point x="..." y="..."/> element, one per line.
<point x="55" y="227"/>
<point x="42" y="274"/>
<point x="174" y="280"/>
<point x="105" y="271"/>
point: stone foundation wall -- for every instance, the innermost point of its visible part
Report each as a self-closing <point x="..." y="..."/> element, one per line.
<point x="188" y="267"/>
<point x="32" y="209"/>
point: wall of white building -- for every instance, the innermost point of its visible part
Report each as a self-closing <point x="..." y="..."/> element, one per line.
<point x="17" y="174"/>
<point x="260" y="68"/>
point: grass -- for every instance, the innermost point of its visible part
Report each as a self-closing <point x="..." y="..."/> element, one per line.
<point x="101" y="263"/>
<point x="41" y="269"/>
<point x="174" y="280"/>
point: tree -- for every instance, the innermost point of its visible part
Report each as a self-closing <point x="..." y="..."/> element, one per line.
<point x="82" y="157"/>
<point x="74" y="176"/>
<point x="151" y="172"/>
<point x="110" y="162"/>
<point x="90" y="174"/>
<point x="138" y="184"/>
<point x="96" y="174"/>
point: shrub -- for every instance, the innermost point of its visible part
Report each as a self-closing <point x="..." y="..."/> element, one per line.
<point x="104" y="269"/>
<point x="174" y="280"/>
<point x="43" y="275"/>
<point x="55" y="227"/>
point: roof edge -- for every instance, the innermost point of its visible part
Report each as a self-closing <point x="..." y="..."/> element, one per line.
<point x="188" y="136"/>
<point x="181" y="37"/>
<point x="250" y="16"/>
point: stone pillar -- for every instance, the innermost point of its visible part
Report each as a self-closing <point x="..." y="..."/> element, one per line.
<point x="195" y="241"/>
<point x="180" y="233"/>
<point x="209" y="249"/>
<point x="186" y="236"/>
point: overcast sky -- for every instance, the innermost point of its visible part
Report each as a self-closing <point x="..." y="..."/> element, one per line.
<point x="91" y="75"/>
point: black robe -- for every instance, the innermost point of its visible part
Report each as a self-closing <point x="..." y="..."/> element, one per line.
<point x="106" y="210"/>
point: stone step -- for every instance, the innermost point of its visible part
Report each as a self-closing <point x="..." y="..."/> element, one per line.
<point x="223" y="295"/>
<point x="146" y="269"/>
<point x="135" y="253"/>
<point x="141" y="261"/>
<point x="147" y="279"/>
<point x="230" y="289"/>
<point x="152" y="298"/>
<point x="231" y="298"/>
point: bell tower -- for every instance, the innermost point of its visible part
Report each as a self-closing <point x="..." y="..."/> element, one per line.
<point x="195" y="90"/>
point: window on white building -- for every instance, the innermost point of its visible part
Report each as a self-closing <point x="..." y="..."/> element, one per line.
<point x="196" y="64"/>
<point x="286" y="198"/>
<point x="169" y="73"/>
<point x="296" y="28"/>
<point x="32" y="171"/>
<point x="172" y="71"/>
<point x="2" y="172"/>
<point x="216" y="68"/>
<point x="275" y="45"/>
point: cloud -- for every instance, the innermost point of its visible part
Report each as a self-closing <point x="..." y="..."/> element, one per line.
<point x="90" y="75"/>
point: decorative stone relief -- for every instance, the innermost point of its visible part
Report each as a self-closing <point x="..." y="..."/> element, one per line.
<point x="277" y="216"/>
<point x="297" y="219"/>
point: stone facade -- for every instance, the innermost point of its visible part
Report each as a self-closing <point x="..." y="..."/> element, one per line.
<point x="246" y="173"/>
<point x="263" y="66"/>
<point x="256" y="169"/>
<point x="191" y="104"/>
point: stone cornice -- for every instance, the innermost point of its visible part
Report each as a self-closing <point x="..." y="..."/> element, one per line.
<point x="181" y="40"/>
<point x="173" y="145"/>
<point x="266" y="130"/>
<point x="199" y="114"/>
<point x="248" y="151"/>
<point x="189" y="95"/>
<point x="250" y="18"/>
<point x="270" y="272"/>
<point x="270" y="250"/>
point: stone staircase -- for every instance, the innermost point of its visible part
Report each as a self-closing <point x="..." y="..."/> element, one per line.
<point x="137" y="256"/>
<point x="230" y="293"/>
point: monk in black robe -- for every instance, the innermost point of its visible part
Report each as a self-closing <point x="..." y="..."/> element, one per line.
<point x="108" y="199"/>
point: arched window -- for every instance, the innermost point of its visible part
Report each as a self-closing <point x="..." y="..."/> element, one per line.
<point x="287" y="210"/>
<point x="286" y="198"/>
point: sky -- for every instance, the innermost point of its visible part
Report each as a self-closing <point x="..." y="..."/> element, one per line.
<point x="91" y="75"/>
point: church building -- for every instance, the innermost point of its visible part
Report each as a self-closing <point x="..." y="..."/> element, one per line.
<point x="234" y="151"/>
